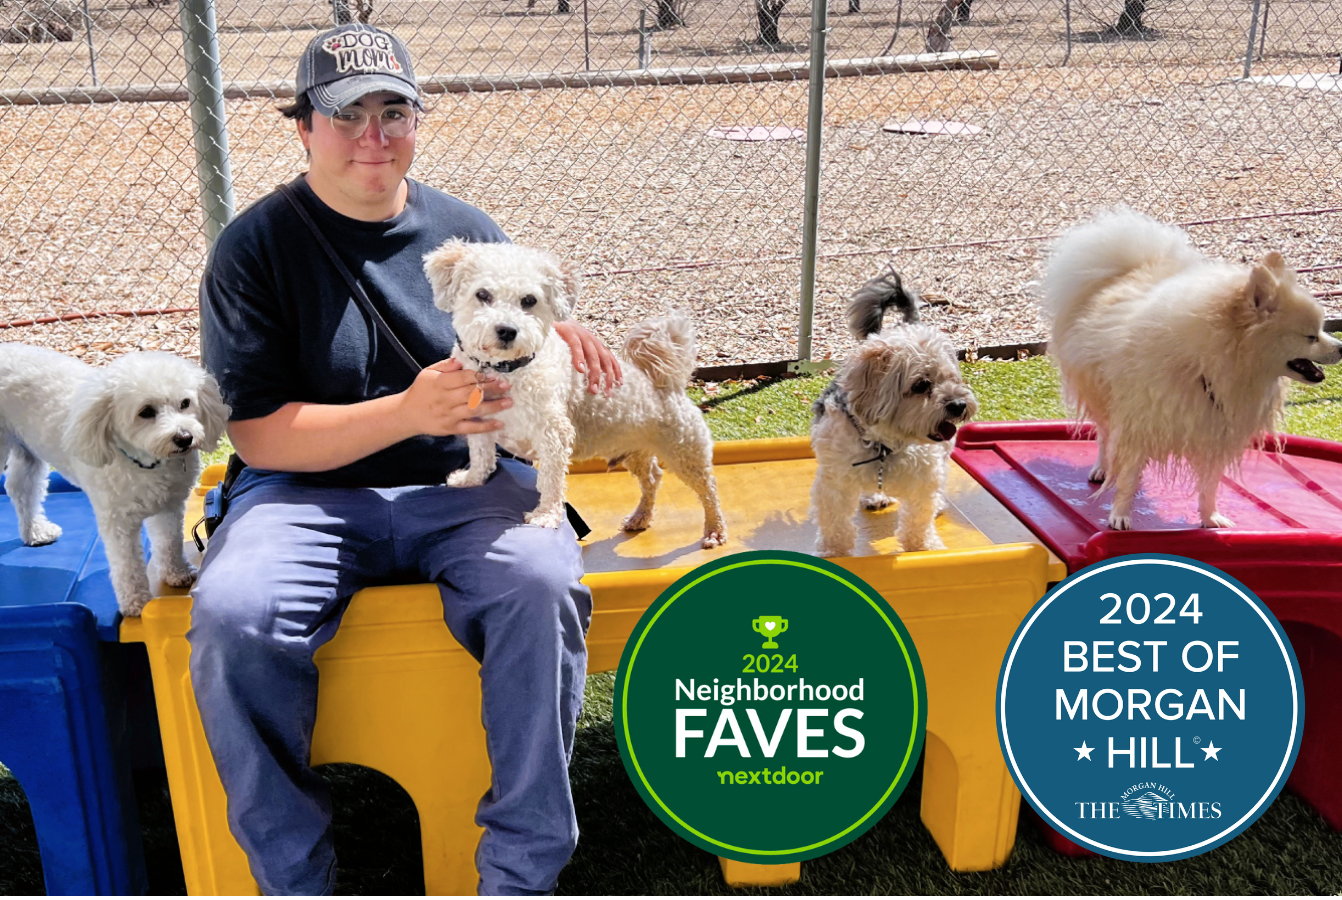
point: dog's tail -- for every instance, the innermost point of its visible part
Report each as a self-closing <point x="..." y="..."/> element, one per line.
<point x="664" y="348"/>
<point x="867" y="307"/>
<point x="1117" y="241"/>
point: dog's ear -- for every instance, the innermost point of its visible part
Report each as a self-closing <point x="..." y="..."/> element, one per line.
<point x="1263" y="287"/>
<point x="443" y="265"/>
<point x="88" y="426"/>
<point x="214" y="412"/>
<point x="870" y="397"/>
<point x="571" y="278"/>
<point x="1274" y="261"/>
<point x="563" y="282"/>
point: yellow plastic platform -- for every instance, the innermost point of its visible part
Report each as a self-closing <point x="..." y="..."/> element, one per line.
<point x="393" y="661"/>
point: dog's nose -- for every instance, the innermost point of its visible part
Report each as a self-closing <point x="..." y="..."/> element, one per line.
<point x="506" y="333"/>
<point x="956" y="407"/>
<point x="183" y="439"/>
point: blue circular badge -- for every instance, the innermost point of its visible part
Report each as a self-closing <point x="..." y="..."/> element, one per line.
<point x="1150" y="708"/>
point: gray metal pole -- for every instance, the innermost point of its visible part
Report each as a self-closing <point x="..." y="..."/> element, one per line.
<point x="88" y="33"/>
<point x="1067" y="15"/>
<point x="205" y="86"/>
<point x="586" y="40"/>
<point x="1262" y="34"/>
<point x="1253" y="33"/>
<point x="815" y="121"/>
<point x="644" y="54"/>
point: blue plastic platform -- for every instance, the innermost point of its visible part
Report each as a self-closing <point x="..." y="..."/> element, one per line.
<point x="62" y="701"/>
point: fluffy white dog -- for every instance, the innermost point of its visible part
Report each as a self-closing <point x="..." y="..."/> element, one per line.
<point x="1178" y="359"/>
<point x="504" y="300"/>
<point x="128" y="434"/>
<point x="885" y="426"/>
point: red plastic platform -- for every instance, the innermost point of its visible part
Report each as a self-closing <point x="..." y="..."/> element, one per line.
<point x="1286" y="546"/>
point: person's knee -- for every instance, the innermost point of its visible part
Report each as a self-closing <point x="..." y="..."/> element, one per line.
<point x="234" y="624"/>
<point x="227" y="605"/>
<point x="545" y="586"/>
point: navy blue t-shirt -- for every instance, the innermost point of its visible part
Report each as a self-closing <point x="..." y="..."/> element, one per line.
<point x="280" y="325"/>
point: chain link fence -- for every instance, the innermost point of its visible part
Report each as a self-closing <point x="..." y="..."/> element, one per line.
<point x="664" y="144"/>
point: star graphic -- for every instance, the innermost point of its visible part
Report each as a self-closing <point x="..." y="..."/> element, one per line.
<point x="1083" y="752"/>
<point x="1211" y="750"/>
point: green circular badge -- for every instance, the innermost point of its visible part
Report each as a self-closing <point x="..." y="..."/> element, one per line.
<point x="770" y="707"/>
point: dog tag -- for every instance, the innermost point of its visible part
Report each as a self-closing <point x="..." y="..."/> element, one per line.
<point x="476" y="397"/>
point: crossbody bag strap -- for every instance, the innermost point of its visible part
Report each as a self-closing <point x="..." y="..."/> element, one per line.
<point x="360" y="295"/>
<point x="576" y="521"/>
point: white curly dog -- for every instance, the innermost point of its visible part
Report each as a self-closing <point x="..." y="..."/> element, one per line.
<point x="128" y="434"/>
<point x="504" y="300"/>
<point x="885" y="426"/>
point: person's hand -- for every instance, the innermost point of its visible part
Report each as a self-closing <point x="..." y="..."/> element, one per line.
<point x="438" y="402"/>
<point x="591" y="357"/>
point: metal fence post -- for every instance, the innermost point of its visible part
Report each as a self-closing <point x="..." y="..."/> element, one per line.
<point x="586" y="39"/>
<point x="644" y="51"/>
<point x="815" y="122"/>
<point x="205" y="85"/>
<point x="88" y="34"/>
<point x="1253" y="33"/>
<point x="1067" y="16"/>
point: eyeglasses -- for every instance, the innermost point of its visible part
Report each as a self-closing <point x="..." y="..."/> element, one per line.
<point x="394" y="121"/>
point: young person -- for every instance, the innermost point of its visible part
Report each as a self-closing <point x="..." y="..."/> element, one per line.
<point x="347" y="451"/>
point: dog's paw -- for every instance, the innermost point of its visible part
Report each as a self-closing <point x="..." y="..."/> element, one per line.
<point x="465" y="478"/>
<point x="132" y="606"/>
<point x="713" y="539"/>
<point x="42" y="533"/>
<point x="636" y="521"/>
<point x="1120" y="523"/>
<point x="1216" y="520"/>
<point x="1096" y="475"/>
<point x="929" y="542"/>
<point x="543" y="519"/>
<point x="180" y="578"/>
<point x="876" y="501"/>
<point x="829" y="551"/>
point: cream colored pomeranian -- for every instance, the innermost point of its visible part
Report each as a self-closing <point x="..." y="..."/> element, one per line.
<point x="1176" y="358"/>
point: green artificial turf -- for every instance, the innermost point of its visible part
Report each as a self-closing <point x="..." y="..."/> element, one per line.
<point x="625" y="849"/>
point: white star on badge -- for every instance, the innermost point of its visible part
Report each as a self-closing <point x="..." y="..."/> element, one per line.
<point x="1083" y="752"/>
<point x="1211" y="750"/>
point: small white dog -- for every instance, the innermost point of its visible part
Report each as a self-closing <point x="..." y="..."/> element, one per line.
<point x="1178" y="359"/>
<point x="886" y="425"/>
<point x="128" y="434"/>
<point x="504" y="300"/>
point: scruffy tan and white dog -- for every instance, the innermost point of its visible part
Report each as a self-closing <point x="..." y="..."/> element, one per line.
<point x="885" y="426"/>
<point x="504" y="300"/>
<point x="128" y="434"/>
<point x="1178" y="359"/>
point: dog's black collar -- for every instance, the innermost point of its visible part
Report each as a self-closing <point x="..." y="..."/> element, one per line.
<point x="157" y="462"/>
<point x="511" y="365"/>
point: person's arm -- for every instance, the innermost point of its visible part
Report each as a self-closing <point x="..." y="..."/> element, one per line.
<point x="316" y="437"/>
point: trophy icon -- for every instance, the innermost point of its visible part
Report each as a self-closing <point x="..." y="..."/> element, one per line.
<point x="770" y="627"/>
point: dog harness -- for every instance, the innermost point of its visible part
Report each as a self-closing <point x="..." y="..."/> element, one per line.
<point x="880" y="449"/>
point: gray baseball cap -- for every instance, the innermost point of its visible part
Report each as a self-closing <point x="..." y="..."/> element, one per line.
<point x="352" y="61"/>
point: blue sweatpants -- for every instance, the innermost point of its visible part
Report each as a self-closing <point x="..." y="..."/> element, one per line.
<point x="278" y="575"/>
